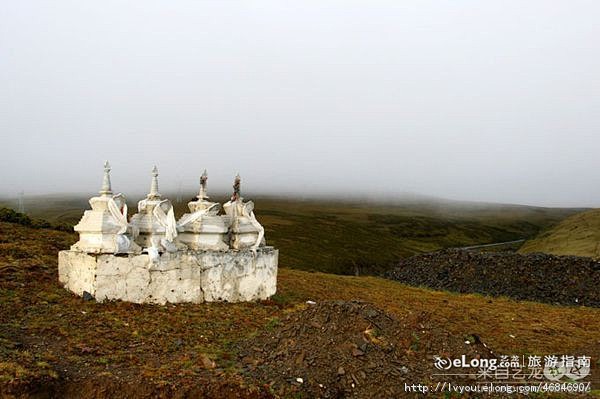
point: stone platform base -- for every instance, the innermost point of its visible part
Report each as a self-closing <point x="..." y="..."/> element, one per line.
<point x="193" y="276"/>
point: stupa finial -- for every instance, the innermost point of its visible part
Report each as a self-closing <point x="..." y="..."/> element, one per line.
<point x="106" y="187"/>
<point x="237" y="183"/>
<point x="154" y="194"/>
<point x="203" y="180"/>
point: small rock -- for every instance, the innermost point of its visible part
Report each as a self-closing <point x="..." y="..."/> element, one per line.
<point x="299" y="380"/>
<point x="86" y="349"/>
<point x="300" y="358"/>
<point x="357" y="352"/>
<point x="249" y="360"/>
<point x="341" y="371"/>
<point x="87" y="296"/>
<point x="207" y="362"/>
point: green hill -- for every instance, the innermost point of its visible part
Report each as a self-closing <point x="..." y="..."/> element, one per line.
<point x="576" y="235"/>
<point x="357" y="237"/>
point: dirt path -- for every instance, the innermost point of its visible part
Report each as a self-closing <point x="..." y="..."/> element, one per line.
<point x="495" y="244"/>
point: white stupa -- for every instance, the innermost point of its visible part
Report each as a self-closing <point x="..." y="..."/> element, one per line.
<point x="246" y="232"/>
<point x="155" y="220"/>
<point x="206" y="257"/>
<point x="204" y="228"/>
<point x="104" y="228"/>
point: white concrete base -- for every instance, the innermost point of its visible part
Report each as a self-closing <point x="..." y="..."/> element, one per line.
<point x="189" y="276"/>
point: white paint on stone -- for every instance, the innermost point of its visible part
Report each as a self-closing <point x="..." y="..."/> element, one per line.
<point x="183" y="276"/>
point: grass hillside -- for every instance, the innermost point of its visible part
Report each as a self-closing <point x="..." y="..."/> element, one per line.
<point x="51" y="339"/>
<point x="346" y="237"/>
<point x="576" y="235"/>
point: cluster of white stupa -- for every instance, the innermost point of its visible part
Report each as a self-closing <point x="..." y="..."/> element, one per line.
<point x="105" y="229"/>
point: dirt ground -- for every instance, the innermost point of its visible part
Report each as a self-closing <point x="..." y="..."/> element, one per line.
<point x="353" y="349"/>
<point x="370" y="332"/>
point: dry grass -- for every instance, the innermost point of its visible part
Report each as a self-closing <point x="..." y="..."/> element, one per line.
<point x="48" y="334"/>
<point x="537" y="328"/>
<point x="577" y="235"/>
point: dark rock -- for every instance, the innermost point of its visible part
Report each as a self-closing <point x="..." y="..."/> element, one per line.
<point x="87" y="296"/>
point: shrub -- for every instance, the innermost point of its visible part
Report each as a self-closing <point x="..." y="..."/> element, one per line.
<point x="10" y="216"/>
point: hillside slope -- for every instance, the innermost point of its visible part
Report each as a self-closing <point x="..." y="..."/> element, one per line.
<point x="55" y="344"/>
<point x="345" y="237"/>
<point x="577" y="235"/>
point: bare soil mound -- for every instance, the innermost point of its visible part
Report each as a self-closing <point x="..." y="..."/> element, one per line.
<point x="351" y="349"/>
<point x="565" y="280"/>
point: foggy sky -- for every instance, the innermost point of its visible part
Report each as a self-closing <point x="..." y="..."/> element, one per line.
<point x="477" y="100"/>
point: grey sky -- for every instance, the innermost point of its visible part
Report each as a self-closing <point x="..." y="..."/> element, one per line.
<point x="477" y="100"/>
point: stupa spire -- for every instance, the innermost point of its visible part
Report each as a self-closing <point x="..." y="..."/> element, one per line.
<point x="203" y="180"/>
<point x="237" y="183"/>
<point x="154" y="194"/>
<point x="106" y="187"/>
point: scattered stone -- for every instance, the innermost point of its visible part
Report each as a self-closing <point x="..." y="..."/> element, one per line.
<point x="566" y="280"/>
<point x="337" y="362"/>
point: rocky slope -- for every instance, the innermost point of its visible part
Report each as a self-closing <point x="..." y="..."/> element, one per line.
<point x="566" y="280"/>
